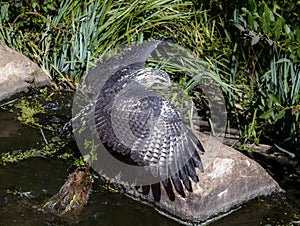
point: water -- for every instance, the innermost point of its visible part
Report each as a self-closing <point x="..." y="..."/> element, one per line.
<point x="39" y="178"/>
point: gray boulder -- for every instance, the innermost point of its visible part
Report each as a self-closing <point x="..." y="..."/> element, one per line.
<point x="230" y="180"/>
<point x="18" y="73"/>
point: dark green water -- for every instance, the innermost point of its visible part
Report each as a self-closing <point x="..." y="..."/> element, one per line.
<point x="39" y="178"/>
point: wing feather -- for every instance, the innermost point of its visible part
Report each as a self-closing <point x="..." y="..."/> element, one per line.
<point x="170" y="148"/>
<point x="160" y="141"/>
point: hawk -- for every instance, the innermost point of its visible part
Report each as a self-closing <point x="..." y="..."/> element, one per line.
<point x="135" y="122"/>
<point x="137" y="125"/>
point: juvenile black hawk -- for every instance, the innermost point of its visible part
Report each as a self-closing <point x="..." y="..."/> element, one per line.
<point x="133" y="121"/>
<point x="137" y="125"/>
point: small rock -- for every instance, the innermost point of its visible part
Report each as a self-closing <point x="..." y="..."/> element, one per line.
<point x="18" y="73"/>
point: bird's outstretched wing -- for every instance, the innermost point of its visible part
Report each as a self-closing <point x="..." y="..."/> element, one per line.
<point x="155" y="137"/>
<point x="164" y="145"/>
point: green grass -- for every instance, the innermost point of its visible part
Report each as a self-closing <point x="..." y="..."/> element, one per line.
<point x="260" y="82"/>
<point x="72" y="40"/>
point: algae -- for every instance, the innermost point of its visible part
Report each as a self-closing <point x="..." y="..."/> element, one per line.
<point x="30" y="111"/>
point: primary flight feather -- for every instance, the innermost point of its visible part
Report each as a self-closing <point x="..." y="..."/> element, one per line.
<point x="134" y="121"/>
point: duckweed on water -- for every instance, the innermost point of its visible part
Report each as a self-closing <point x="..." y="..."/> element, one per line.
<point x="29" y="110"/>
<point x="28" y="113"/>
<point x="44" y="152"/>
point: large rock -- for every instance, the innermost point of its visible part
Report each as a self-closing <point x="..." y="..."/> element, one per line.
<point x="18" y="73"/>
<point x="230" y="179"/>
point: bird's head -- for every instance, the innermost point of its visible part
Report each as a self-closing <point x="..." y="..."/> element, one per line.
<point x="150" y="76"/>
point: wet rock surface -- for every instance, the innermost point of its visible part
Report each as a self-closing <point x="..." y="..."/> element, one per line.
<point x="230" y="179"/>
<point x="18" y="73"/>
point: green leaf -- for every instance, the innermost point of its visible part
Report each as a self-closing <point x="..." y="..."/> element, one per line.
<point x="279" y="115"/>
<point x="292" y="155"/>
<point x="240" y="27"/>
<point x="242" y="20"/>
<point x="278" y="27"/>
<point x="250" y="20"/>
<point x="245" y="10"/>
<point x="287" y="29"/>
<point x="282" y="60"/>
<point x="275" y="100"/>
<point x="265" y="24"/>
<point x="269" y="14"/>
<point x="253" y="5"/>
<point x="267" y="114"/>
<point x="297" y="32"/>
